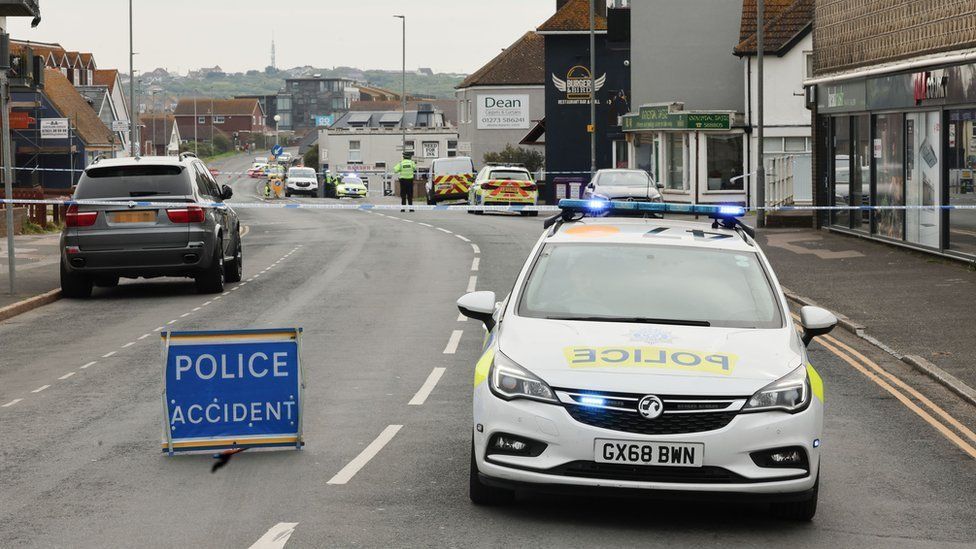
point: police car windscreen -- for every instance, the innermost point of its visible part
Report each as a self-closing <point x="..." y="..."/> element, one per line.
<point x="509" y="175"/>
<point x="624" y="179"/>
<point x="132" y="182"/>
<point x="627" y="281"/>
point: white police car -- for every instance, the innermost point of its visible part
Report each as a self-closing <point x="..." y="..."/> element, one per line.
<point x="647" y="354"/>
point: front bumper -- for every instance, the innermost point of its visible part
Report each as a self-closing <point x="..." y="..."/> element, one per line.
<point x="568" y="462"/>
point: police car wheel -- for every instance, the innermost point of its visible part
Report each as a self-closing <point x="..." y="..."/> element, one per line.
<point x="482" y="494"/>
<point x="801" y="511"/>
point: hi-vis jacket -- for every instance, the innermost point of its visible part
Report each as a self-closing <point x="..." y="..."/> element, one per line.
<point x="405" y="169"/>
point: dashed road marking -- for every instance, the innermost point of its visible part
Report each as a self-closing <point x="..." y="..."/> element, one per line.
<point x="223" y="294"/>
<point x="159" y="329"/>
<point x="66" y="376"/>
<point x="205" y="303"/>
<point x="184" y="315"/>
<point x="462" y="238"/>
<point x="462" y="318"/>
<point x="174" y="321"/>
<point x="444" y="230"/>
<point x="276" y="537"/>
<point x="195" y="309"/>
<point x="368" y="453"/>
<point x="143" y="336"/>
<point x="475" y="263"/>
<point x="427" y="225"/>
<point x="92" y="363"/>
<point x="472" y="283"/>
<point x="129" y="344"/>
<point x="452" y="343"/>
<point x="41" y="388"/>
<point x="475" y="247"/>
<point x="428" y="386"/>
<point x="11" y="403"/>
<point x="106" y="355"/>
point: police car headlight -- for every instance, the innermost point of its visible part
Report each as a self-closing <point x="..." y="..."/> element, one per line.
<point x="790" y="393"/>
<point x="510" y="381"/>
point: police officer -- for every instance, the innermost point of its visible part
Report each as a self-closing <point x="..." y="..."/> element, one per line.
<point x="405" y="172"/>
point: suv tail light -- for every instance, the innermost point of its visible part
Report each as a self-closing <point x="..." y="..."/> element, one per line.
<point x="190" y="214"/>
<point x="74" y="218"/>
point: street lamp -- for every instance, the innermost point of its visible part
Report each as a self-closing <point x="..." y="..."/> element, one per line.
<point x="403" y="87"/>
<point x="277" y="118"/>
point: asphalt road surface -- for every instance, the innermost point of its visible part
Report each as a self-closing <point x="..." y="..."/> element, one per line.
<point x="386" y="460"/>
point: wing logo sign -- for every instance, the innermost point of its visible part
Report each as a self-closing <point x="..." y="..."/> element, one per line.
<point x="576" y="86"/>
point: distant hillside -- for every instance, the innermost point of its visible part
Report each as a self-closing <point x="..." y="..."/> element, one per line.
<point x="267" y="82"/>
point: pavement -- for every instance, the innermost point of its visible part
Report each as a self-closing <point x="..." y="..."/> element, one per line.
<point x="80" y="414"/>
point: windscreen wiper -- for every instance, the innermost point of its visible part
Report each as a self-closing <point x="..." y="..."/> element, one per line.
<point x="634" y="320"/>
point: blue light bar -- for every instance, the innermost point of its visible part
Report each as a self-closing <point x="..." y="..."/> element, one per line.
<point x="723" y="211"/>
<point x="592" y="401"/>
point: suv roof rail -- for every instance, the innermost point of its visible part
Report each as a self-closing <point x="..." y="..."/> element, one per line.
<point x="97" y="159"/>
<point x="187" y="154"/>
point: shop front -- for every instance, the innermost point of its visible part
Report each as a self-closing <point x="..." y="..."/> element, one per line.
<point x="698" y="156"/>
<point x="906" y="140"/>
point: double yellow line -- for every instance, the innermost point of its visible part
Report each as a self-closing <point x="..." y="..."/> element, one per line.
<point x="962" y="437"/>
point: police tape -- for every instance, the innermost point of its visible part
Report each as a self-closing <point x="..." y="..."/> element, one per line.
<point x="216" y="172"/>
<point x="288" y="205"/>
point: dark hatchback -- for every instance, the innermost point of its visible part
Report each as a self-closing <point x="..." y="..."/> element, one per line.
<point x="198" y="236"/>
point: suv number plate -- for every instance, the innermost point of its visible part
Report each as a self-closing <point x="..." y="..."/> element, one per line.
<point x="144" y="216"/>
<point x="674" y="454"/>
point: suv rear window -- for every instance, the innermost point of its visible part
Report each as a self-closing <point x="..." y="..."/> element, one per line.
<point x="132" y="182"/>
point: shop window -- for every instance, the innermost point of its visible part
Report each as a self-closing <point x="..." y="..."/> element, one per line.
<point x="922" y="184"/>
<point x="451" y="148"/>
<point x="724" y="162"/>
<point x="676" y="162"/>
<point x="795" y="144"/>
<point x="645" y="156"/>
<point x="961" y="160"/>
<point x="842" y="171"/>
<point x="620" y="154"/>
<point x="861" y="173"/>
<point x="889" y="168"/>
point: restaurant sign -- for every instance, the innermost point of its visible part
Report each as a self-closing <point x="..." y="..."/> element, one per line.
<point x="663" y="117"/>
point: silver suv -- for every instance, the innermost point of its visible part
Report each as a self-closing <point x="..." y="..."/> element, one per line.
<point x="102" y="243"/>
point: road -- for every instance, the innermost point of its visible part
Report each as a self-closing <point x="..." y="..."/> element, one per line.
<point x="375" y="294"/>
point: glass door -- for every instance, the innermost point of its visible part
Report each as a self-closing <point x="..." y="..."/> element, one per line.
<point x="842" y="172"/>
<point x="923" y="188"/>
<point x="860" y="194"/>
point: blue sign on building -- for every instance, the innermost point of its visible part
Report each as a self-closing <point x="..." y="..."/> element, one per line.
<point x="277" y="150"/>
<point x="232" y="389"/>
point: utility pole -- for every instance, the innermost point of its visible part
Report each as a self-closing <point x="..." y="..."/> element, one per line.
<point x="212" y="149"/>
<point x="592" y="88"/>
<point x="761" y="168"/>
<point x="8" y="173"/>
<point x="403" y="87"/>
<point x="153" y="94"/>
<point x="196" y="123"/>
<point x="133" y="140"/>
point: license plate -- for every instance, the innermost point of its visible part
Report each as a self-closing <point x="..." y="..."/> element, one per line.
<point x="673" y="454"/>
<point x="145" y="216"/>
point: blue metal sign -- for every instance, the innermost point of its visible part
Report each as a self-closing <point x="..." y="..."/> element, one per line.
<point x="277" y="150"/>
<point x="232" y="389"/>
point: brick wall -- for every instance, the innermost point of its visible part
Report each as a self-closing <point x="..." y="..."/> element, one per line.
<point x="856" y="33"/>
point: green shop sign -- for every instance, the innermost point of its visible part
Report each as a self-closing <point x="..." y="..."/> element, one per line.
<point x="662" y="118"/>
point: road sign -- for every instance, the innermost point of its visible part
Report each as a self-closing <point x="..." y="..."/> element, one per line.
<point x="120" y="125"/>
<point x="277" y="150"/>
<point x="232" y="389"/>
<point x="54" y="128"/>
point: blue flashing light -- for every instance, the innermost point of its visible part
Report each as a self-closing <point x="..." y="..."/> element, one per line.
<point x="592" y="401"/>
<point x="592" y="206"/>
<point x="816" y="443"/>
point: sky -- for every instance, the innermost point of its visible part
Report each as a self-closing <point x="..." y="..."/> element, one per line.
<point x="445" y="35"/>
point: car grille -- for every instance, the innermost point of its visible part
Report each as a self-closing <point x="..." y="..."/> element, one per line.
<point x="647" y="473"/>
<point x="681" y="414"/>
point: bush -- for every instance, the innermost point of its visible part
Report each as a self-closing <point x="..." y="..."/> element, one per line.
<point x="201" y="149"/>
<point x="532" y="160"/>
<point x="311" y="158"/>
<point x="221" y="144"/>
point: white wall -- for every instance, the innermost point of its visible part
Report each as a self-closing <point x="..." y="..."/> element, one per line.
<point x="485" y="141"/>
<point x="379" y="146"/>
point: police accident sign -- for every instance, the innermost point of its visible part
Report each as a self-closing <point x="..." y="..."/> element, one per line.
<point x="232" y="389"/>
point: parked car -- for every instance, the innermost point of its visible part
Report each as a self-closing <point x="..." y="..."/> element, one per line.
<point x="257" y="170"/>
<point x="301" y="180"/>
<point x="504" y="185"/>
<point x="449" y="179"/>
<point x="102" y="243"/>
<point x="617" y="184"/>
<point x="351" y="187"/>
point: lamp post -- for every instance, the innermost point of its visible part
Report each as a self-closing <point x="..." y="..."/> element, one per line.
<point x="403" y="87"/>
<point x="592" y="88"/>
<point x="761" y="168"/>
<point x="277" y="118"/>
<point x="133" y="140"/>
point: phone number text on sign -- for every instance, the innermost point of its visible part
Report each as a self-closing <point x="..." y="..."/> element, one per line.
<point x="503" y="112"/>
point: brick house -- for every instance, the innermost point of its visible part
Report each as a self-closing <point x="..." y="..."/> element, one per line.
<point x="201" y="118"/>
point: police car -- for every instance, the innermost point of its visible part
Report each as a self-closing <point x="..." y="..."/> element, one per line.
<point x="503" y="185"/>
<point x="643" y="353"/>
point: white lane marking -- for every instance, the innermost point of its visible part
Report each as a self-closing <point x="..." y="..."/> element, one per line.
<point x="276" y="537"/>
<point x="407" y="220"/>
<point x="444" y="230"/>
<point x="41" y="388"/>
<point x="218" y="297"/>
<point x="205" y="303"/>
<point x="259" y="274"/>
<point x="368" y="453"/>
<point x="462" y="318"/>
<point x="160" y="329"/>
<point x="246" y="281"/>
<point x="106" y="355"/>
<point x="184" y="315"/>
<point x="66" y="376"/>
<point x="129" y="344"/>
<point x="143" y="336"/>
<point x="428" y="386"/>
<point x="462" y="238"/>
<point x="223" y="294"/>
<point x="92" y="363"/>
<point x="427" y="225"/>
<point x="195" y="309"/>
<point x="11" y="403"/>
<point x="174" y="321"/>
<point x="475" y="247"/>
<point x="452" y="343"/>
<point x="234" y="288"/>
<point x="472" y="283"/>
<point x="475" y="263"/>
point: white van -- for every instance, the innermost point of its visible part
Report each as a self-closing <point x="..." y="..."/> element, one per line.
<point x="449" y="179"/>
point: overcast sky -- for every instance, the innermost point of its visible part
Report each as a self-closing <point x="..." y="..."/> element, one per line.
<point x="446" y="35"/>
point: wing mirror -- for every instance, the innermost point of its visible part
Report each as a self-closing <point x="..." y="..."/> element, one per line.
<point x="816" y="322"/>
<point x="226" y="192"/>
<point x="479" y="306"/>
<point x="660" y="186"/>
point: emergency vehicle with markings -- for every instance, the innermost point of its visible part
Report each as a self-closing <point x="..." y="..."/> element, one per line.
<point x="504" y="185"/>
<point x="449" y="179"/>
<point x="647" y="355"/>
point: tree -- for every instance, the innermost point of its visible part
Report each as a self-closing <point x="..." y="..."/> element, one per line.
<point x="311" y="158"/>
<point x="221" y="143"/>
<point x="532" y="160"/>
